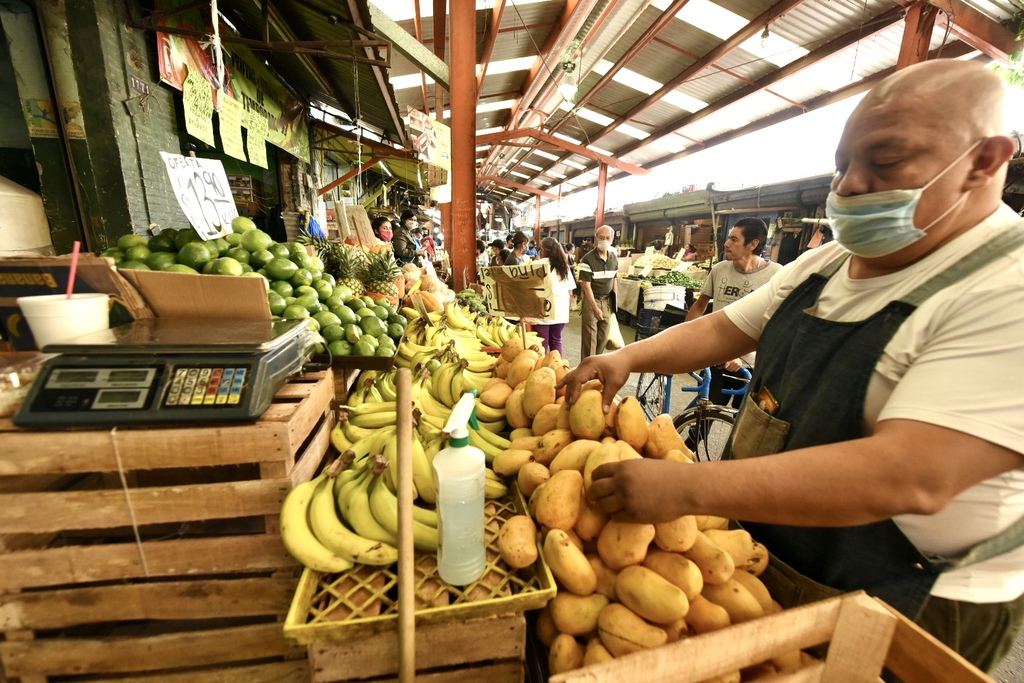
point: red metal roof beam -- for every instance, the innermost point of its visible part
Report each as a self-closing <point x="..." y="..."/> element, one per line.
<point x="489" y="39"/>
<point x="977" y="30"/>
<point x="503" y="135"/>
<point x="513" y="184"/>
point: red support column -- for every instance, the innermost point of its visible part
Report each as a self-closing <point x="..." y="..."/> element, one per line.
<point x="602" y="180"/>
<point x="536" y="225"/>
<point x="446" y="225"/>
<point x="463" y="102"/>
<point x="917" y="34"/>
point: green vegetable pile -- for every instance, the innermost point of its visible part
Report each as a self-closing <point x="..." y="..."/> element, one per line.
<point x="469" y="297"/>
<point x="674" y="278"/>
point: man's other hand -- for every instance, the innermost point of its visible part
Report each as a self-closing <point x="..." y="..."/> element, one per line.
<point x="733" y="365"/>
<point x="602" y="367"/>
<point x="638" y="491"/>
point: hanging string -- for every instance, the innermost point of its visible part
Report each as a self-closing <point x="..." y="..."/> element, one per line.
<point x="128" y="500"/>
<point x="357" y="192"/>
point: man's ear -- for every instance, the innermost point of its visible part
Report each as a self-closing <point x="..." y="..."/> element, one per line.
<point x="993" y="153"/>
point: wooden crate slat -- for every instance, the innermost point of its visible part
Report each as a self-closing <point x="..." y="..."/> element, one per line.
<point x="308" y="461"/>
<point x="309" y="412"/>
<point x="719" y="652"/>
<point x="478" y="640"/>
<point x="171" y="600"/>
<point x="91" y="451"/>
<point x="915" y="655"/>
<point x="275" y="672"/>
<point x="808" y="674"/>
<point x="107" y="508"/>
<point x="89" y="564"/>
<point x="67" y="656"/>
<point x="509" y="671"/>
<point x="859" y="642"/>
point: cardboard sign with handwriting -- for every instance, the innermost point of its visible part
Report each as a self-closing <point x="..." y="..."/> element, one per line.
<point x="522" y="291"/>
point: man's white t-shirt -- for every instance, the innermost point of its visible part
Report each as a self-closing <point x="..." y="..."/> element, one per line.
<point x="957" y="362"/>
<point x="726" y="284"/>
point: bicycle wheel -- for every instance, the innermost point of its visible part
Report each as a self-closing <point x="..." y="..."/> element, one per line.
<point x="705" y="430"/>
<point x="651" y="392"/>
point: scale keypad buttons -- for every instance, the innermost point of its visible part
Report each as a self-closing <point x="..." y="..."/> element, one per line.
<point x="212" y="386"/>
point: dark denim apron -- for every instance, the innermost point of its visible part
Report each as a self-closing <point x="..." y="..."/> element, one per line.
<point x="818" y="370"/>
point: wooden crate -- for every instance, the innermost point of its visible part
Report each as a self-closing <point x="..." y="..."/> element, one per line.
<point x="153" y="554"/>
<point x="335" y="608"/>
<point x="863" y="635"/>
<point x="491" y="649"/>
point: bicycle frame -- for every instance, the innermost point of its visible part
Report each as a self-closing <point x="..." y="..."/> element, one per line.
<point x="703" y="388"/>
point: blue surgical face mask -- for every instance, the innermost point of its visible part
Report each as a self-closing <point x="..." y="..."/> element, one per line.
<point x="882" y="223"/>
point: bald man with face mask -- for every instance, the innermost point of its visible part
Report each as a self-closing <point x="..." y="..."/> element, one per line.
<point x="881" y="443"/>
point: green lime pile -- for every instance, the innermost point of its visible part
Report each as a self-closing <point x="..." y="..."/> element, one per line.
<point x="297" y="286"/>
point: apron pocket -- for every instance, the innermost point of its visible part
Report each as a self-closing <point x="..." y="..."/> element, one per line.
<point x="757" y="433"/>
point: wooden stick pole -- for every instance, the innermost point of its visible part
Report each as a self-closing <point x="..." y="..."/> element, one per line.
<point x="406" y="560"/>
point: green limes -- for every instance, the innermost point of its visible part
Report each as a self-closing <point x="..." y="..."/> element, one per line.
<point x="362" y="348"/>
<point x="276" y="301"/>
<point x="372" y="326"/>
<point x="294" y="311"/>
<point x="397" y="318"/>
<point x="384" y="351"/>
<point x="323" y="288"/>
<point x="133" y="265"/>
<point x="366" y="313"/>
<point x="242" y="224"/>
<point x="282" y="287"/>
<point x="355" y="304"/>
<point x="161" y="260"/>
<point x="260" y="258"/>
<point x="340" y="348"/>
<point x="186" y="236"/>
<point x="331" y="333"/>
<point x="139" y="252"/>
<point x="193" y="254"/>
<point x="303" y="290"/>
<point x="163" y="241"/>
<point x="181" y="268"/>
<point x="329" y="278"/>
<point x="239" y="254"/>
<point x="301" y="277"/>
<point x="395" y="331"/>
<point x="353" y="333"/>
<point x="126" y="242"/>
<point x="368" y="300"/>
<point x="226" y="266"/>
<point x="256" y="240"/>
<point x="278" y="249"/>
<point x="309" y="302"/>
<point x="345" y="314"/>
<point x="379" y="311"/>
<point x="280" y="269"/>
<point x="326" y="319"/>
<point x="233" y="238"/>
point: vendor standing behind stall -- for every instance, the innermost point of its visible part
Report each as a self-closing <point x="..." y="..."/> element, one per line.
<point x="599" y="271"/>
<point x="886" y="397"/>
<point x="404" y="244"/>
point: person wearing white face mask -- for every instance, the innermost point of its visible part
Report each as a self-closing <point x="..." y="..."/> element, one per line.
<point x="881" y="443"/>
<point x="598" y="271"/>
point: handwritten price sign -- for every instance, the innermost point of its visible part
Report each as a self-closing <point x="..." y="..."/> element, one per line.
<point x="201" y="187"/>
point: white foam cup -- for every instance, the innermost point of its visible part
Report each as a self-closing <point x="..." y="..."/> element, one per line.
<point x="56" y="318"/>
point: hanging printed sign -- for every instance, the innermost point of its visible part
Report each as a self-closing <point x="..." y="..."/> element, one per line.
<point x="231" y="116"/>
<point x="522" y="291"/>
<point x="198" y="101"/>
<point x="431" y="139"/>
<point x="247" y="80"/>
<point x="256" y="138"/>
<point x="201" y="187"/>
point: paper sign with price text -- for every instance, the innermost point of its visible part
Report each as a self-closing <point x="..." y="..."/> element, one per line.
<point x="201" y="187"/>
<point x="522" y="291"/>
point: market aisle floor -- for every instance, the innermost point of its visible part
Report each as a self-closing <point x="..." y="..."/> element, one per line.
<point x="1011" y="670"/>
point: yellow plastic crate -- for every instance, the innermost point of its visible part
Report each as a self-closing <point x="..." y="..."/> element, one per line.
<point x="364" y="600"/>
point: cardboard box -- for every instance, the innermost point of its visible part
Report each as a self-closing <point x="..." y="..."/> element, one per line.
<point x="33" y="276"/>
<point x="137" y="294"/>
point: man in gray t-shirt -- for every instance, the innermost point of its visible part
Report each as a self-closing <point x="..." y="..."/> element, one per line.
<point x="741" y="273"/>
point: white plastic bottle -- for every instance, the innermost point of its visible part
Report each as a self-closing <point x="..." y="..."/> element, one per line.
<point x="459" y="472"/>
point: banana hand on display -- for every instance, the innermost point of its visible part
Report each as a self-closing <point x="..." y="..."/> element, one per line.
<point x="338" y="439"/>
<point x="494" y="487"/>
<point x="298" y="537"/>
<point x="354" y="504"/>
<point x="384" y="506"/>
<point x="422" y="472"/>
<point x="430" y="405"/>
<point x="487" y="413"/>
<point x="387" y="387"/>
<point x="493" y="427"/>
<point x="354" y="433"/>
<point x="338" y="538"/>
<point x="489" y="449"/>
<point x="372" y="415"/>
<point x="496" y="440"/>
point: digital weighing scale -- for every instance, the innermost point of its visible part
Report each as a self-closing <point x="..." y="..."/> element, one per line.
<point x="166" y="371"/>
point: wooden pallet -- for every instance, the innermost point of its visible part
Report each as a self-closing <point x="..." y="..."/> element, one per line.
<point x="863" y="635"/>
<point x="200" y="593"/>
<point x="490" y="649"/>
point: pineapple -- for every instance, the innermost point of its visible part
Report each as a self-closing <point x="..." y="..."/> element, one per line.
<point x="351" y="268"/>
<point x="382" y="272"/>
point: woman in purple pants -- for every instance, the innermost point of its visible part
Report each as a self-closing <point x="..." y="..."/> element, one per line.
<point x="562" y="286"/>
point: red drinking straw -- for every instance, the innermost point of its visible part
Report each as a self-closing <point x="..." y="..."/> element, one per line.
<point x="74" y="267"/>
